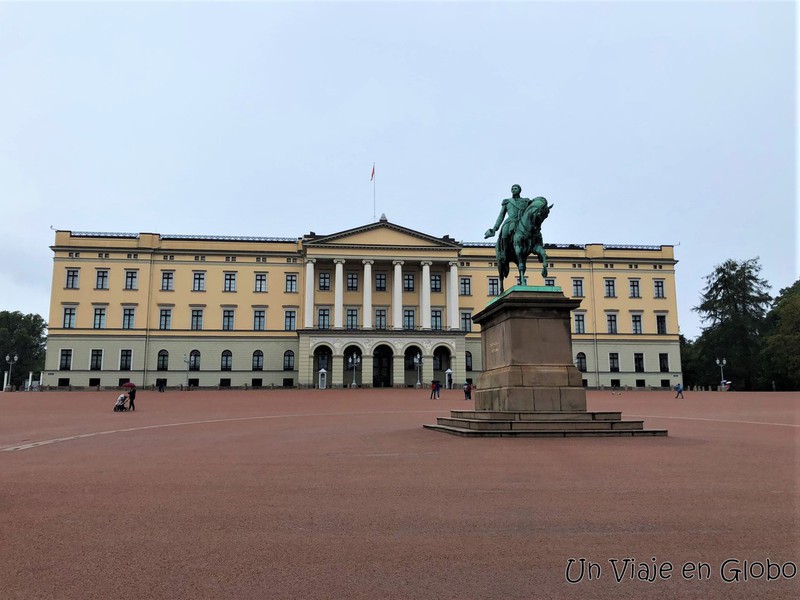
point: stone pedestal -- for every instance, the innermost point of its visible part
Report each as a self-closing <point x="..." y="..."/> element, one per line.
<point x="529" y="385"/>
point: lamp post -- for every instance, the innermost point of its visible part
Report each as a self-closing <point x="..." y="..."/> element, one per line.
<point x="11" y="362"/>
<point x="722" y="364"/>
<point x="186" y="360"/>
<point x="418" y="364"/>
<point x="353" y="360"/>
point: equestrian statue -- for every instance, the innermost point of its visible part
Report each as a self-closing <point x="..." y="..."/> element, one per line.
<point x="520" y="235"/>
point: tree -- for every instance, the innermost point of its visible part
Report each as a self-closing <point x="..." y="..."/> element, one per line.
<point x="782" y="340"/>
<point x="24" y="336"/>
<point x="734" y="303"/>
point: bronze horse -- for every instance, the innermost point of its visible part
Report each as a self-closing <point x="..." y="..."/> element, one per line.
<point x="526" y="239"/>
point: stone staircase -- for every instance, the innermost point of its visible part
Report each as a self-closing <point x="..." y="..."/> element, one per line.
<point x="484" y="423"/>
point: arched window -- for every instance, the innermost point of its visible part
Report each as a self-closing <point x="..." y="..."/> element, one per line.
<point x="468" y="360"/>
<point x="227" y="361"/>
<point x="580" y="362"/>
<point x="163" y="360"/>
<point x="288" y="361"/>
<point x="194" y="360"/>
<point x="258" y="360"/>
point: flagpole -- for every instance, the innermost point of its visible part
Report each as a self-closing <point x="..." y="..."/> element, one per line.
<point x="373" y="192"/>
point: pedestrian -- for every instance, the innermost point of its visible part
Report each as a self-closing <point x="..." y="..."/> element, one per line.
<point x="438" y="389"/>
<point x="132" y="397"/>
<point x="466" y="391"/>
<point x="469" y="391"/>
<point x="160" y="385"/>
<point x="679" y="390"/>
<point x="433" y="390"/>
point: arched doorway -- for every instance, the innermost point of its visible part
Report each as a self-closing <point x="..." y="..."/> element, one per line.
<point x="441" y="362"/>
<point x="323" y="359"/>
<point x="382" y="366"/>
<point x="351" y="367"/>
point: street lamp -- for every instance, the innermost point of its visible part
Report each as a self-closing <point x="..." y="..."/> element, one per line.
<point x="11" y="362"/>
<point x="721" y="364"/>
<point x="418" y="364"/>
<point x="353" y="360"/>
<point x="186" y="360"/>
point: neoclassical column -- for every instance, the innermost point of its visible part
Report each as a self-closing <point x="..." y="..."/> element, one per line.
<point x="338" y="293"/>
<point x="367" y="365"/>
<point x="452" y="296"/>
<point x="308" y="309"/>
<point x="425" y="300"/>
<point x="336" y="374"/>
<point x="366" y="309"/>
<point x="397" y="295"/>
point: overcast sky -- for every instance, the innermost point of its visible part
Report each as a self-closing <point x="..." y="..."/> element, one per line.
<point x="644" y="122"/>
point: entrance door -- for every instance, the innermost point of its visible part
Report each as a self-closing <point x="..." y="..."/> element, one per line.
<point x="382" y="367"/>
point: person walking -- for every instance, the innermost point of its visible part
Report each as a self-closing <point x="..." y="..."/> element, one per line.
<point x="679" y="390"/>
<point x="438" y="389"/>
<point x="433" y="390"/>
<point x="131" y="398"/>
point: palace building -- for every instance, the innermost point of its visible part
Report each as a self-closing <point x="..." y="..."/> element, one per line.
<point x="379" y="305"/>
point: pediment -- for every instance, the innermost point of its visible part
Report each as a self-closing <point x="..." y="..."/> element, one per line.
<point x="381" y="234"/>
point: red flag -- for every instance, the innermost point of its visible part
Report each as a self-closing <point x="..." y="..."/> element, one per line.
<point x="371" y="177"/>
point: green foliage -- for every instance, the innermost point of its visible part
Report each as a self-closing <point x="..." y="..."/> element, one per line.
<point x="24" y="336"/>
<point x="781" y="351"/>
<point x="734" y="304"/>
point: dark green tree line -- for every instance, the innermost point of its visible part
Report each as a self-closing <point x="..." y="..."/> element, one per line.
<point x="24" y="336"/>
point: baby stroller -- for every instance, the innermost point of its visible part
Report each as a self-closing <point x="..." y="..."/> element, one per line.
<point x="120" y="406"/>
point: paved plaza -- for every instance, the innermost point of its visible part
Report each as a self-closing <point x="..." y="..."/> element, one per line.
<point x="339" y="494"/>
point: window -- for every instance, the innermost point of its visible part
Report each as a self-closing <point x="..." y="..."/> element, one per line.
<point x="194" y="360"/>
<point x="226" y="361"/>
<point x="408" y="319"/>
<point x="494" y="286"/>
<point x="580" y="362"/>
<point x="324" y="318"/>
<point x="99" y="318"/>
<point x="288" y="361"/>
<point x="580" y="323"/>
<point x="290" y="320"/>
<point x="577" y="288"/>
<point x="65" y="362"/>
<point x="131" y="280"/>
<point x="324" y="281"/>
<point x="465" y="288"/>
<point x="125" y="360"/>
<point x="468" y="361"/>
<point x="197" y="318"/>
<point x="380" y="282"/>
<point x="102" y="279"/>
<point x="550" y="282"/>
<point x="165" y="318"/>
<point x="661" y="324"/>
<point x="466" y="321"/>
<point x="638" y="362"/>
<point x="408" y="282"/>
<point x="611" y="323"/>
<point x="613" y="362"/>
<point x="229" y="284"/>
<point x="72" y="279"/>
<point x="258" y="360"/>
<point x="633" y="285"/>
<point x="636" y="323"/>
<point x="199" y="281"/>
<point x="663" y="363"/>
<point x="259" y="319"/>
<point x="380" y="318"/>
<point x="291" y="282"/>
<point x="436" y="319"/>
<point x="352" y="282"/>
<point x="436" y="282"/>
<point x="658" y="288"/>
<point x="69" y="317"/>
<point x="128" y="318"/>
<point x="167" y="281"/>
<point x="611" y="290"/>
<point x="163" y="361"/>
<point x="96" y="361"/>
<point x="261" y="282"/>
<point x="227" y="319"/>
<point x="352" y="318"/>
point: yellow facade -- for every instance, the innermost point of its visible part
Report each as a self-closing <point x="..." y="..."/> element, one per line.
<point x="377" y="305"/>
